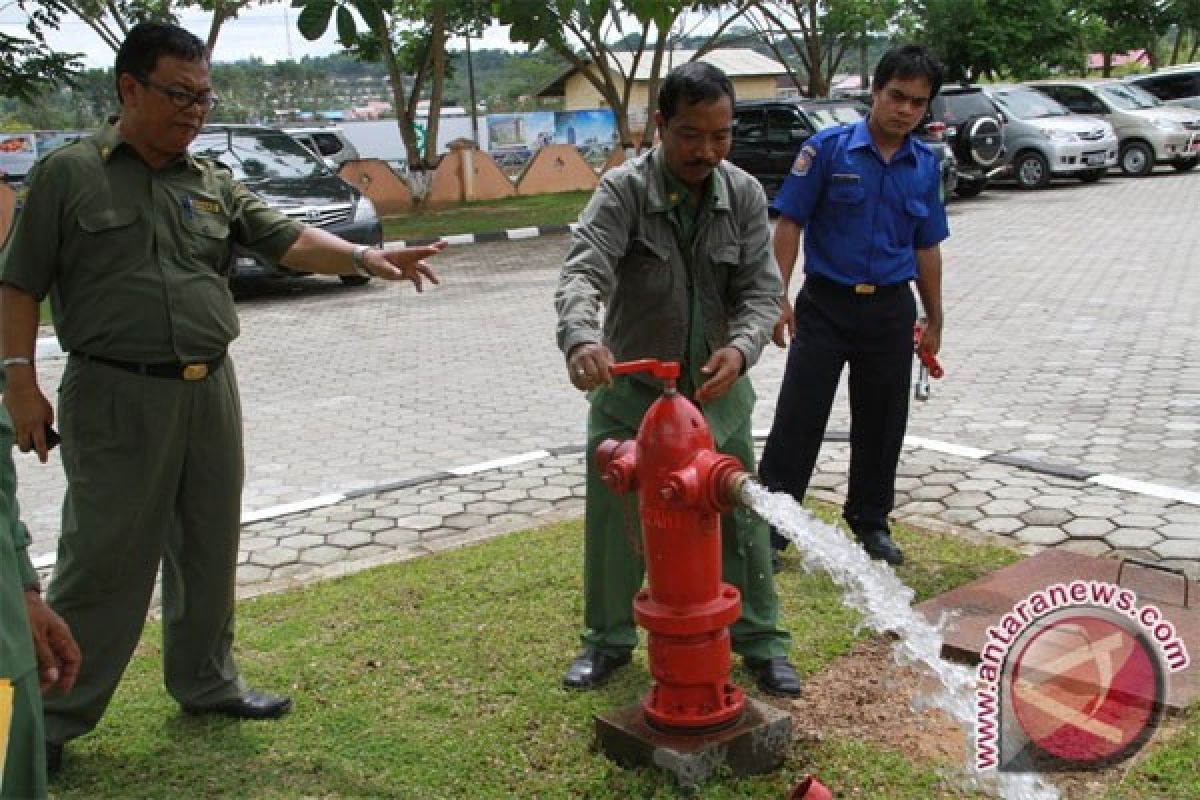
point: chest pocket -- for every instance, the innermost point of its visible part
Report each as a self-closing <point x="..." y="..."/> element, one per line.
<point x="111" y="231"/>
<point x="206" y="239"/>
<point x="847" y="194"/>
<point x="916" y="208"/>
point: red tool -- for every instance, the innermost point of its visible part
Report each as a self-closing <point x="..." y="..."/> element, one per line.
<point x="683" y="485"/>
<point x="929" y="365"/>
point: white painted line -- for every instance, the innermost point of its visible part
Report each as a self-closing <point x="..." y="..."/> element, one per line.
<point x="523" y="233"/>
<point x="946" y="447"/>
<point x="459" y="238"/>
<point x="1144" y="487"/>
<point x="507" y="461"/>
<point x="47" y="348"/>
<point x="321" y="501"/>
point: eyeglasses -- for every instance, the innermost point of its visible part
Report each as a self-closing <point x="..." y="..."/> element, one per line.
<point x="183" y="100"/>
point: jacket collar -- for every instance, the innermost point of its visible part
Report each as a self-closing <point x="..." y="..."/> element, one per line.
<point x="109" y="139"/>
<point x="658" y="193"/>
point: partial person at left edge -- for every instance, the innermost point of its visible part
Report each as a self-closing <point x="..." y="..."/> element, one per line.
<point x="130" y="237"/>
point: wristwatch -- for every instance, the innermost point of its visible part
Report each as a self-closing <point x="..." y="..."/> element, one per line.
<point x="360" y="261"/>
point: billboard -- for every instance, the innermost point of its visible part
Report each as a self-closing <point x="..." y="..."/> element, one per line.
<point x="585" y="128"/>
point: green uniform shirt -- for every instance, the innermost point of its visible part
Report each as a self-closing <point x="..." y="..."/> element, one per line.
<point x="16" y="571"/>
<point x="136" y="260"/>
<point x="629" y="397"/>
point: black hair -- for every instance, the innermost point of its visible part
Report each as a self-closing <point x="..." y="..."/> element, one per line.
<point x="909" y="61"/>
<point x="691" y="83"/>
<point x="147" y="42"/>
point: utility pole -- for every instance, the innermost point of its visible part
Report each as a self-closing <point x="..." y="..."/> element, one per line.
<point x="471" y="92"/>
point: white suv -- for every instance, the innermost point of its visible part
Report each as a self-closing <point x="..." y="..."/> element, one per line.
<point x="330" y="144"/>
<point x="1175" y="86"/>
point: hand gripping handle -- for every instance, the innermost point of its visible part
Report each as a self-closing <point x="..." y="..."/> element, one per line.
<point x="930" y="361"/>
<point x="663" y="370"/>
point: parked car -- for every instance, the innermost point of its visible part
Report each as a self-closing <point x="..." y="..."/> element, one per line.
<point x="967" y="121"/>
<point x="292" y="179"/>
<point x="1175" y="86"/>
<point x="1043" y="139"/>
<point x="329" y="143"/>
<point x="767" y="135"/>
<point x="1149" y="132"/>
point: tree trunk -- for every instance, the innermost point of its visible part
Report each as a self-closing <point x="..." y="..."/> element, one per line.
<point x="1107" y="73"/>
<point x="437" y="69"/>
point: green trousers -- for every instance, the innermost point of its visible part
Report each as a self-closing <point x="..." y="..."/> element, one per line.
<point x="154" y="476"/>
<point x="614" y="568"/>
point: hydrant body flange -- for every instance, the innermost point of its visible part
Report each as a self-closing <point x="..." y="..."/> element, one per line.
<point x="683" y="486"/>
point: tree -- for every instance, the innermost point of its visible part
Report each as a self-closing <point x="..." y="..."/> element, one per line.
<point x="582" y="32"/>
<point x="1117" y="26"/>
<point x="819" y="33"/>
<point x="419" y="52"/>
<point x="28" y="66"/>
<point x="996" y="38"/>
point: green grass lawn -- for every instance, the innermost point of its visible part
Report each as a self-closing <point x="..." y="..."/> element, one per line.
<point x="439" y="678"/>
<point x="485" y="216"/>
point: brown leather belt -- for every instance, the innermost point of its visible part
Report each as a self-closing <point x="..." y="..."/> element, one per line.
<point x="192" y="371"/>
<point x="861" y="289"/>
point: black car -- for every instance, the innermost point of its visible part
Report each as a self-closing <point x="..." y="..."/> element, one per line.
<point x="287" y="175"/>
<point x="966" y="120"/>
<point x="767" y="135"/>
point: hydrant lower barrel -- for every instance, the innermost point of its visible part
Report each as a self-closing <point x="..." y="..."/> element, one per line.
<point x="683" y="487"/>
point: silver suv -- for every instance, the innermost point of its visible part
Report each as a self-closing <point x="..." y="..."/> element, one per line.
<point x="1043" y="139"/>
<point x="1149" y="132"/>
<point x="1175" y="86"/>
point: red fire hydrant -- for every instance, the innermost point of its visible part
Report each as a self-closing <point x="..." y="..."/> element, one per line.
<point x="683" y="487"/>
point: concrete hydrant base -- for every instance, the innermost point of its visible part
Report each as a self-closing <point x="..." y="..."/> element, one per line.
<point x="757" y="743"/>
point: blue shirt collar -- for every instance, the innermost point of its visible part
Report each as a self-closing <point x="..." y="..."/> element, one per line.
<point x="860" y="137"/>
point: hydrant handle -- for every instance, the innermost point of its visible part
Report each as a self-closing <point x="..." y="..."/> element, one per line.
<point x="663" y="370"/>
<point x="931" y="363"/>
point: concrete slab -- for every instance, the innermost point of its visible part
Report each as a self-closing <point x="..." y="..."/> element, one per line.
<point x="984" y="602"/>
<point x="756" y="744"/>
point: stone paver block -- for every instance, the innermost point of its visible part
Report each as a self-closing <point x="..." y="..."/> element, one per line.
<point x="1061" y="501"/>
<point x="1004" y="508"/>
<point x="936" y="492"/>
<point x="330" y="526"/>
<point x="1013" y="492"/>
<point x="1094" y="511"/>
<point x="976" y="485"/>
<point x="255" y="543"/>
<point x="374" y="524"/>
<point x="465" y="522"/>
<point x="962" y="516"/>
<point x="442" y="508"/>
<point x="252" y="573"/>
<point x="1088" y="528"/>
<point x="1138" y="521"/>
<point x="950" y="478"/>
<point x="274" y="556"/>
<point x="1133" y="538"/>
<point x="1004" y="525"/>
<point x="1038" y="534"/>
<point x="550" y="493"/>
<point x="1087" y="547"/>
<point x="1046" y="516"/>
<point x="1180" y="530"/>
<point x="531" y="506"/>
<point x="1178" y="548"/>
<point x="419" y="522"/>
<point x="397" y="510"/>
<point x="322" y="556"/>
<point x="349" y="539"/>
<point x="396" y="537"/>
<point x="506" y="495"/>
<point x="966" y="500"/>
<point x="302" y="540"/>
<point x="926" y="507"/>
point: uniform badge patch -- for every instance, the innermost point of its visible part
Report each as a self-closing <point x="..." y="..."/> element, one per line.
<point x="210" y="206"/>
<point x="804" y="160"/>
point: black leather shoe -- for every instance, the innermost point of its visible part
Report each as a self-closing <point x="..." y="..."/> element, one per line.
<point x="775" y="676"/>
<point x="249" y="705"/>
<point x="879" y="546"/>
<point x="593" y="667"/>
<point x="54" y="757"/>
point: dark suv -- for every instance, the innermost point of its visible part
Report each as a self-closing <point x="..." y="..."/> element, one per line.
<point x="291" y="179"/>
<point x="965" y="119"/>
<point x="767" y="135"/>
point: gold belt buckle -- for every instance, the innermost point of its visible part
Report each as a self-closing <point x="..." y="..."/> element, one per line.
<point x="864" y="288"/>
<point x="195" y="372"/>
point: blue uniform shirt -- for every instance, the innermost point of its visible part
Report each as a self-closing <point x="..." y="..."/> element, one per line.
<point x="863" y="217"/>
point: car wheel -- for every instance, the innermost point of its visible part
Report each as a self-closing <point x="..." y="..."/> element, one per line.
<point x="1092" y="175"/>
<point x="1031" y="170"/>
<point x="970" y="188"/>
<point x="1185" y="164"/>
<point x="354" y="280"/>
<point x="1137" y="159"/>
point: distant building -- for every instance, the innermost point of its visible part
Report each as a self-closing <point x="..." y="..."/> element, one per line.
<point x="1095" y="61"/>
<point x="754" y="76"/>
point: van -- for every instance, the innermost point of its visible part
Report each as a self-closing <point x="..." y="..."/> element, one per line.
<point x="1044" y="140"/>
<point x="1148" y="131"/>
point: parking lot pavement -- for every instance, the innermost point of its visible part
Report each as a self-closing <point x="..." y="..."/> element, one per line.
<point x="1070" y="348"/>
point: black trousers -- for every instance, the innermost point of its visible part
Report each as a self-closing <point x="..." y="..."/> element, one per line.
<point x="873" y="333"/>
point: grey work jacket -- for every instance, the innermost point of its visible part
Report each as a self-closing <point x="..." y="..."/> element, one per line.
<point x="625" y="256"/>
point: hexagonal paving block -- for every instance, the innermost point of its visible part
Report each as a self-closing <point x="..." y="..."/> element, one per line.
<point x="1094" y="511"/>
<point x="465" y="522"/>
<point x="321" y="556"/>
<point x="550" y="493"/>
<point x="274" y="556"/>
<point x="253" y="543"/>
<point x="396" y="510"/>
<point x="976" y="485"/>
<point x="419" y="522"/>
<point x="1013" y="492"/>
<point x="442" y="508"/>
<point x="935" y="478"/>
<point x="932" y="492"/>
<point x="252" y="573"/>
<point x="1046" y="516"/>
<point x="1138" y="521"/>
<point x="1004" y="525"/>
<point x="1038" y="534"/>
<point x="962" y="516"/>
<point x="1133" y="538"/>
<point x="1087" y="547"/>
<point x="1053" y="500"/>
<point x="1004" y="508"/>
<point x="303" y="540"/>
<point x="506" y="495"/>
<point x="373" y="524"/>
<point x="349" y="538"/>
<point x="1088" y="528"/>
<point x="1178" y="548"/>
<point x="396" y="537"/>
<point x="966" y="500"/>
<point x="926" y="507"/>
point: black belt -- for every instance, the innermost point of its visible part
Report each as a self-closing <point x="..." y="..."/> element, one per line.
<point x="814" y="281"/>
<point x="192" y="371"/>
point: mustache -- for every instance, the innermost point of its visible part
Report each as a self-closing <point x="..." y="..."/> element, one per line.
<point x="700" y="162"/>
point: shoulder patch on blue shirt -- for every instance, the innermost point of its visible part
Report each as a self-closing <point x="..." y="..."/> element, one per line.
<point x="804" y="160"/>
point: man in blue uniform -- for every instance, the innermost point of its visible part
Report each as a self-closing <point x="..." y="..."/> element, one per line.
<point x="867" y="197"/>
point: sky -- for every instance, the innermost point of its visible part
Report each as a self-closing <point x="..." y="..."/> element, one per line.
<point x="267" y="32"/>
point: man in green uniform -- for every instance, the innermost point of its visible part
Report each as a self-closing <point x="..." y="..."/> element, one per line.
<point x="36" y="648"/>
<point x="675" y="245"/>
<point x="131" y="237"/>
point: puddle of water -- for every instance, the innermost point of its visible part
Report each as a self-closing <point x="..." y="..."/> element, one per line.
<point x="872" y="588"/>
